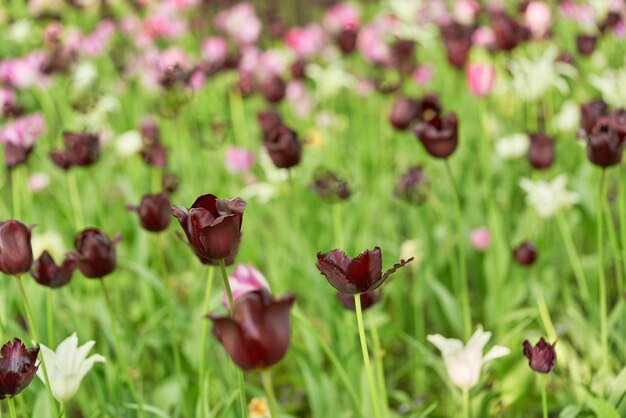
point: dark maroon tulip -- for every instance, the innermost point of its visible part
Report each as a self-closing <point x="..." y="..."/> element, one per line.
<point x="525" y="253"/>
<point x="16" y="253"/>
<point x="429" y="108"/>
<point x="81" y="149"/>
<point x="541" y="357"/>
<point x="359" y="275"/>
<point x="412" y="186"/>
<point x="154" y="211"/>
<point x="346" y="39"/>
<point x="403" y="54"/>
<point x="58" y="61"/>
<point x="152" y="151"/>
<point x="457" y="40"/>
<point x="172" y="76"/>
<point x="246" y="84"/>
<point x="212" y="225"/>
<point x="95" y="253"/>
<point x="403" y="111"/>
<point x="15" y="155"/>
<point x="508" y="33"/>
<point x="368" y="299"/>
<point x="47" y="273"/>
<point x="605" y="145"/>
<point x="329" y="186"/>
<point x="586" y="44"/>
<point x="439" y="136"/>
<point x="274" y="89"/>
<point x="257" y="336"/>
<point x="268" y="120"/>
<point x="298" y="70"/>
<point x="591" y="112"/>
<point x="541" y="151"/>
<point x="613" y="19"/>
<point x="17" y="367"/>
<point x="283" y="147"/>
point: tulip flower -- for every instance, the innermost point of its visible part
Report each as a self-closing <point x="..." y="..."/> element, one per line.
<point x="457" y="39"/>
<point x="525" y="254"/>
<point x="512" y="146"/>
<point x="412" y="186"/>
<point x="17" y="367"/>
<point x="244" y="279"/>
<point x="153" y="152"/>
<point x="81" y="149"/>
<point x="439" y="136"/>
<point x="16" y="253"/>
<point x="547" y="198"/>
<point x="47" y="273"/>
<point x="67" y="366"/>
<point x="541" y="357"/>
<point x="273" y="89"/>
<point x="538" y="17"/>
<point x="480" y="78"/>
<point x="154" y="211"/>
<point x="283" y="147"/>
<point x="212" y="226"/>
<point x="239" y="160"/>
<point x="591" y="112"/>
<point x="464" y="362"/>
<point x="586" y="44"/>
<point x="605" y="145"/>
<point x="329" y="186"/>
<point x="508" y="33"/>
<point x="541" y="151"/>
<point x="403" y="111"/>
<point x="481" y="238"/>
<point x="257" y="336"/>
<point x="268" y="120"/>
<point x="368" y="299"/>
<point x="353" y="276"/>
<point x="95" y="253"/>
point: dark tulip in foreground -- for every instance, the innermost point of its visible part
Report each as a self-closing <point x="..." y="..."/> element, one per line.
<point x="95" y="253"/>
<point x="257" y="336"/>
<point x="368" y="299"/>
<point x="154" y="211"/>
<point x="15" y="155"/>
<point x="525" y="253"/>
<point x="17" y="367"/>
<point x="439" y="135"/>
<point x="586" y="44"/>
<point x="359" y="275"/>
<point x="47" y="273"/>
<point x="591" y="112"/>
<point x="541" y="357"/>
<point x="605" y="145"/>
<point x="16" y="253"/>
<point x="212" y="226"/>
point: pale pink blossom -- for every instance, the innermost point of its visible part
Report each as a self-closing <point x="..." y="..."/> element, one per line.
<point x="364" y="87"/>
<point x="214" y="50"/>
<point x="538" y="17"/>
<point x="239" y="160"/>
<point x="341" y="16"/>
<point x="52" y="34"/>
<point x="96" y="43"/>
<point x="38" y="182"/>
<point x="423" y="74"/>
<point x="244" y="279"/>
<point x="250" y="58"/>
<point x="480" y="78"/>
<point x="197" y="80"/>
<point x="582" y="13"/>
<point x="465" y="11"/>
<point x="298" y="97"/>
<point x="23" y="72"/>
<point x="164" y="23"/>
<point x="484" y="37"/>
<point x="271" y="63"/>
<point x="24" y="131"/>
<point x="7" y="97"/>
<point x="620" y="30"/>
<point x="240" y="22"/>
<point x="372" y="40"/>
<point x="183" y="4"/>
<point x="305" y="41"/>
<point x="481" y="238"/>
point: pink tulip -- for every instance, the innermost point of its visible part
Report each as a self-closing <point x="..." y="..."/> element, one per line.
<point x="481" y="238"/>
<point x="305" y="41"/>
<point x="97" y="42"/>
<point x="480" y="78"/>
<point x="7" y="98"/>
<point x="298" y="97"/>
<point x="372" y="40"/>
<point x="38" y="182"/>
<point x="164" y="23"/>
<point x="197" y="80"/>
<point x="582" y="13"/>
<point x="244" y="279"/>
<point x="341" y="16"/>
<point x="24" y="131"/>
<point x="538" y="17"/>
<point x="423" y="74"/>
<point x="239" y="160"/>
<point x="214" y="50"/>
<point x="23" y="72"/>
<point x="465" y="11"/>
<point x="484" y="37"/>
<point x="241" y="23"/>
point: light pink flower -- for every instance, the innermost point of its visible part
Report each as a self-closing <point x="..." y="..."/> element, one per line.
<point x="52" y="34"/>
<point x="241" y="23"/>
<point x="97" y="42"/>
<point x="481" y="238"/>
<point x="423" y="74"/>
<point x="582" y="13"/>
<point x="620" y="30"/>
<point x="538" y="17"/>
<point x="197" y="80"/>
<point x="298" y="97"/>
<point x="364" y="87"/>
<point x="183" y="4"/>
<point x="38" y="182"/>
<point x="239" y="160"/>
<point x="465" y="11"/>
<point x="480" y="78"/>
<point x="24" y="131"/>
<point x="250" y="58"/>
<point x="7" y="97"/>
<point x="341" y="16"/>
<point x="23" y="72"/>
<point x="245" y="278"/>
<point x="305" y="41"/>
<point x="372" y="40"/>
<point x="164" y="23"/>
<point x="214" y="49"/>
<point x="484" y="37"/>
<point x="271" y="63"/>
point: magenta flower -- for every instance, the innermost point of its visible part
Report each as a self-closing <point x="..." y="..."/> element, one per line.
<point x="372" y="41"/>
<point x="480" y="78"/>
<point x="24" y="131"/>
<point x="214" y="50"/>
<point x="23" y="72"/>
<point x="484" y="37"/>
<point x="481" y="238"/>
<point x="239" y="160"/>
<point x="96" y="43"/>
<point x="241" y="23"/>
<point x="164" y="23"/>
<point x="305" y="41"/>
<point x="245" y="278"/>
<point x="341" y="16"/>
<point x="423" y="74"/>
<point x="541" y="357"/>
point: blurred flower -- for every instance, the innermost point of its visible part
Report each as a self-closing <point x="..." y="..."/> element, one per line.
<point x="480" y="78"/>
<point x="330" y="80"/>
<point x="164" y="23"/>
<point x="305" y="41"/>
<point x="239" y="160"/>
<point x="439" y="136"/>
<point x="610" y="85"/>
<point x="152" y="151"/>
<point x="214" y="50"/>
<point x="245" y="278"/>
<point x="412" y="186"/>
<point x="212" y="226"/>
<point x="368" y="299"/>
<point x="457" y="39"/>
<point x="273" y="89"/>
<point x="464" y="362"/>
<point x="402" y="113"/>
<point x="154" y="211"/>
<point x="268" y="120"/>
<point x="591" y="112"/>
<point x="525" y="254"/>
<point x="47" y="273"/>
<point x="240" y="22"/>
<point x="412" y="248"/>
<point x="258" y="408"/>
<point x="538" y="18"/>
<point x="541" y="151"/>
<point x="329" y="186"/>
<point x="38" y="181"/>
<point x="83" y="76"/>
<point x="20" y="31"/>
<point x="299" y="98"/>
<point x="353" y="276"/>
<point x="465" y="11"/>
<point x="23" y="72"/>
<point x="568" y="118"/>
<point x="283" y="147"/>
<point x="19" y="138"/>
<point x="50" y="241"/>
<point x="128" y="143"/>
<point x="481" y="238"/>
<point x="17" y="367"/>
<point x="484" y="37"/>
<point x="605" y="145"/>
<point x="547" y="198"/>
<point x="372" y="42"/>
<point x="586" y="44"/>
<point x="541" y="357"/>
<point x="507" y="32"/>
<point x="97" y="42"/>
<point x="16" y="252"/>
<point x="94" y="254"/>
<point x="512" y="146"/>
<point x="81" y="149"/>
<point x="422" y="74"/>
<point x="257" y="336"/>
<point x="341" y="16"/>
<point x="67" y="366"/>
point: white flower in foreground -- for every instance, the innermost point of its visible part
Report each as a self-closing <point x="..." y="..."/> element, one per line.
<point x="67" y="366"/>
<point x="464" y="362"/>
<point x="547" y="198"/>
<point x="512" y="146"/>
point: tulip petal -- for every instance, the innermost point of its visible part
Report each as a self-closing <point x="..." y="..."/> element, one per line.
<point x="365" y="270"/>
<point x="496" y="351"/>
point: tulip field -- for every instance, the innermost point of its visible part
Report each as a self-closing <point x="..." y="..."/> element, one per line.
<point x="321" y="209"/>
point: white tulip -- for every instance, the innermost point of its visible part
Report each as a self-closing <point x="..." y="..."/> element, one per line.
<point x="512" y="146"/>
<point x="464" y="362"/>
<point x="67" y="366"/>
<point x="547" y="198"/>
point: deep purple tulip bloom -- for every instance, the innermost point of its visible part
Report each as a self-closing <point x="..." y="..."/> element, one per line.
<point x="154" y="211"/>
<point x="47" y="273"/>
<point x="508" y="33"/>
<point x="586" y="44"/>
<point x="346" y="39"/>
<point x="268" y="120"/>
<point x="212" y="226"/>
<point x="81" y="149"/>
<point x="283" y="147"/>
<point x="591" y="112"/>
<point x="17" y="367"/>
<point x="457" y="40"/>
<point x="541" y="151"/>
<point x="605" y="145"/>
<point x="353" y="276"/>
<point x="439" y="136"/>
<point x="95" y="253"/>
<point x="525" y="254"/>
<point x="15" y="155"/>
<point x="274" y="89"/>
<point x="368" y="299"/>
<point x="258" y="334"/>
<point x="16" y="253"/>
<point x="412" y="186"/>
<point x="541" y="357"/>
<point x="403" y="111"/>
<point x="329" y="186"/>
<point x="429" y="108"/>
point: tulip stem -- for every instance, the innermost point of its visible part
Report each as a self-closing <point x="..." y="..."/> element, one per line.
<point x="604" y="336"/>
<point x="544" y="396"/>
<point x="72" y="184"/>
<point x="11" y="407"/>
<point x="463" y="286"/>
<point x="622" y="217"/>
<point x="118" y="349"/>
<point x="205" y="327"/>
<point x="574" y="259"/>
<point x="15" y="194"/>
<point x="266" y="376"/>
<point x="242" y="387"/>
<point x="50" y="322"/>
<point x="466" y="403"/>
<point x="366" y="356"/>
<point x="542" y="307"/>
<point x="380" y="369"/>
<point x="337" y="225"/>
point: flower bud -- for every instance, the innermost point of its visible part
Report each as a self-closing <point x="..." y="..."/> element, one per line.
<point x="541" y="357"/>
<point x="16" y="253"/>
<point x="525" y="254"/>
<point x="541" y="151"/>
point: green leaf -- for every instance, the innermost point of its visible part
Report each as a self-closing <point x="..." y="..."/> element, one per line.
<point x="602" y="408"/>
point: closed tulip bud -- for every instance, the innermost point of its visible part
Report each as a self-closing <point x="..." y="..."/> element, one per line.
<point x="152" y="151"/>
<point x="353" y="276"/>
<point x="412" y="186"/>
<point x="403" y="111"/>
<point x="154" y="211"/>
<point x="586" y="44"/>
<point x="457" y="39"/>
<point x="47" y="273"/>
<point x="95" y="253"/>
<point x="605" y="145"/>
<point x="525" y="254"/>
<point x="257" y="336"/>
<point x="17" y="367"/>
<point x="439" y="136"/>
<point x="298" y="70"/>
<point x="246" y="84"/>
<point x="480" y="78"/>
<point x="591" y="112"/>
<point x="329" y="186"/>
<point x="212" y="226"/>
<point x="268" y="120"/>
<point x="283" y="147"/>
<point x="16" y="253"/>
<point x="274" y="89"/>
<point x="508" y="33"/>
<point x="346" y="39"/>
<point x="541" y="151"/>
<point x="368" y="299"/>
<point x="541" y="357"/>
<point x="81" y="149"/>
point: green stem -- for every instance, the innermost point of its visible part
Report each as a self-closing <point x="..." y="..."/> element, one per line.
<point x="622" y="221"/>
<point x="544" y="396"/>
<point x="337" y="225"/>
<point x="266" y="377"/>
<point x="463" y="286"/>
<point x="11" y="407"/>
<point x="72" y="184"/>
<point x="205" y="327"/>
<point x="118" y="348"/>
<point x="380" y="369"/>
<point x="544" y="314"/>
<point x="15" y="193"/>
<point x="50" y="322"/>
<point x="604" y="335"/>
<point x="466" y="403"/>
<point x="229" y="293"/>
<point x="366" y="356"/>
<point x="573" y="256"/>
